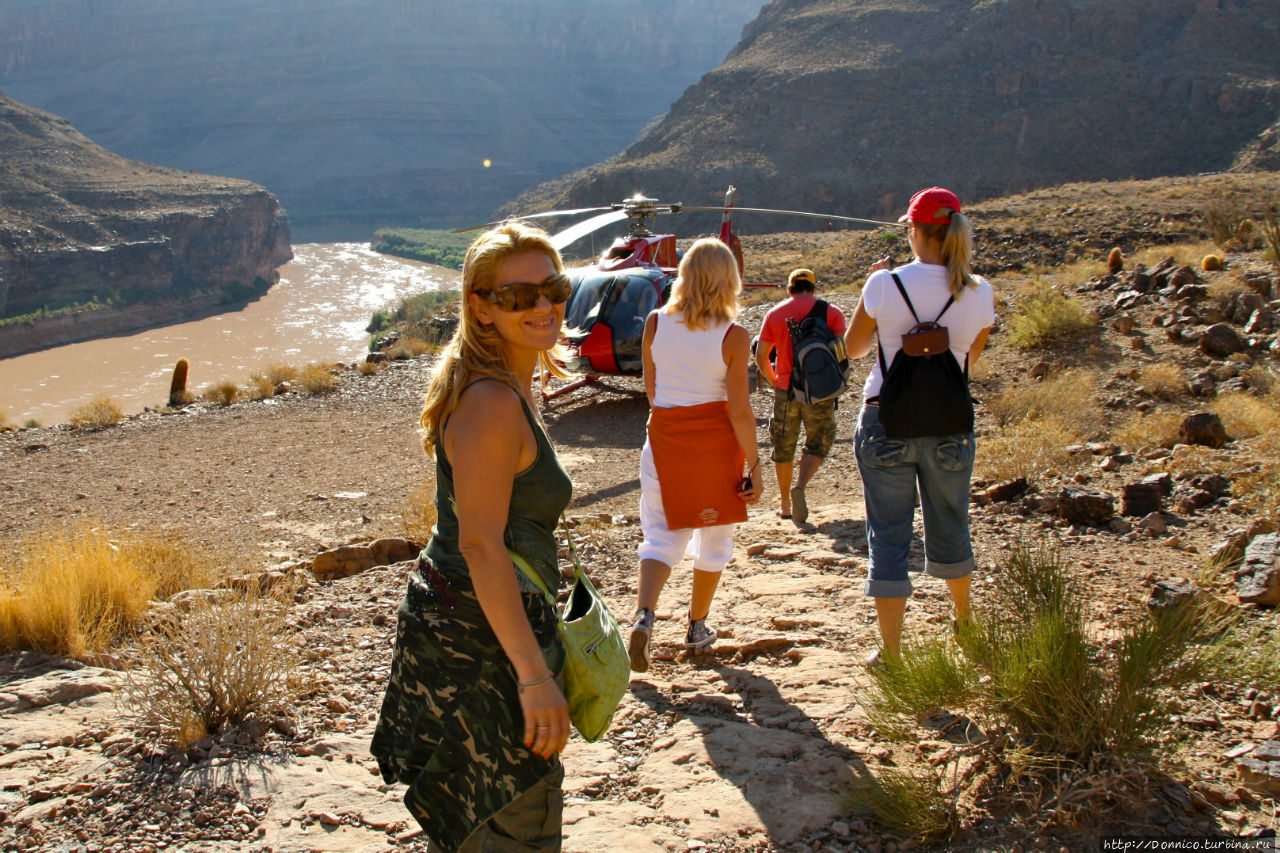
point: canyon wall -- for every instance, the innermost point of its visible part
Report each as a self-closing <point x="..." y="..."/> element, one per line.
<point x="83" y="230"/>
<point x="384" y="111"/>
<point x="848" y="106"/>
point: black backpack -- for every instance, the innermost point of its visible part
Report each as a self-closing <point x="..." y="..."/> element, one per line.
<point x="819" y="368"/>
<point x="925" y="394"/>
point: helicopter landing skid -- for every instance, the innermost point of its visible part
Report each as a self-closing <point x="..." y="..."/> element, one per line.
<point x="572" y="386"/>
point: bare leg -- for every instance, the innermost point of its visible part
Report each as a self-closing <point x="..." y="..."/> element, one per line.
<point x="890" y="613"/>
<point x="959" y="588"/>
<point x="704" y="589"/>
<point x="653" y="577"/>
<point x="783" y="470"/>
<point x="808" y="467"/>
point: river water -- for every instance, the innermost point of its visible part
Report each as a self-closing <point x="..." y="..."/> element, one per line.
<point x="317" y="312"/>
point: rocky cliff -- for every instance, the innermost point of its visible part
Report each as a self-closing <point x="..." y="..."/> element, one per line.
<point x="86" y="232"/>
<point x="386" y="111"/>
<point x="850" y="105"/>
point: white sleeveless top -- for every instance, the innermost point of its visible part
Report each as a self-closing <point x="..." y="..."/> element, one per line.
<point x="689" y="366"/>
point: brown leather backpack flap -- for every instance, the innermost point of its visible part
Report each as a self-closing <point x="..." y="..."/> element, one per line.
<point x="926" y="339"/>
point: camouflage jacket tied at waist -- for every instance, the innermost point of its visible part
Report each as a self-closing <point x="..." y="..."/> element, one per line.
<point x="451" y="726"/>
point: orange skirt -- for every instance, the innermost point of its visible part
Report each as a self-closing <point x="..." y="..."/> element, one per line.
<point x="699" y="465"/>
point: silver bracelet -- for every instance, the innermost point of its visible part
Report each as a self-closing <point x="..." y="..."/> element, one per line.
<point x="525" y="685"/>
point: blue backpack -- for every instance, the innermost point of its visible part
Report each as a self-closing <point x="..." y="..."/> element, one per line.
<point x="819" y="367"/>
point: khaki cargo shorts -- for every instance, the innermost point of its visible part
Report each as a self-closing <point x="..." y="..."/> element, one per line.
<point x="819" y="422"/>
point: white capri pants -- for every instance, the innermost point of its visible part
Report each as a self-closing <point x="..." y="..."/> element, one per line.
<point x="710" y="547"/>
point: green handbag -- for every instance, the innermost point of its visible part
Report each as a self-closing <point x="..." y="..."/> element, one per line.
<point x="596" y="669"/>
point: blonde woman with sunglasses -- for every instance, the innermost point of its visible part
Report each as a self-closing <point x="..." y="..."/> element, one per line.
<point x="474" y="718"/>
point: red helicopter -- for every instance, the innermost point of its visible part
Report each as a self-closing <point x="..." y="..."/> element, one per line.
<point x="612" y="296"/>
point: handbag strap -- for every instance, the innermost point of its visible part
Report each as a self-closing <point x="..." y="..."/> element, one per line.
<point x="523" y="565"/>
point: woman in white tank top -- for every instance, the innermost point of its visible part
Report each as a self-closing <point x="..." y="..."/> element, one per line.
<point x="701" y="434"/>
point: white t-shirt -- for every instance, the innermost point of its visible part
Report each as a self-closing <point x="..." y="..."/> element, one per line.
<point x="926" y="284"/>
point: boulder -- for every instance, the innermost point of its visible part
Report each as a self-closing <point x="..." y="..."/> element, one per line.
<point x="1221" y="340"/>
<point x="1167" y="595"/>
<point x="1001" y="492"/>
<point x="1081" y="506"/>
<point x="1203" y="428"/>
<point x="348" y="560"/>
<point x="1141" y="499"/>
<point x="1258" y="578"/>
<point x="1261" y="321"/>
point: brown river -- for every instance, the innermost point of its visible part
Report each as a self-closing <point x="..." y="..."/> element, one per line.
<point x="317" y="312"/>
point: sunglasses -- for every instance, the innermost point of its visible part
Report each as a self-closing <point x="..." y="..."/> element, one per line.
<point x="523" y="295"/>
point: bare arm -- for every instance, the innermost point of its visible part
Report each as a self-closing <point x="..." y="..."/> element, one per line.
<point x="861" y="333"/>
<point x="978" y="345"/>
<point x="646" y="355"/>
<point x="489" y="441"/>
<point x="737" y="355"/>
<point x="763" y="351"/>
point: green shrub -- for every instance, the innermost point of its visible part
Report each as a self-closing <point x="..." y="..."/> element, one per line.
<point x="442" y="248"/>
<point x="1045" y="315"/>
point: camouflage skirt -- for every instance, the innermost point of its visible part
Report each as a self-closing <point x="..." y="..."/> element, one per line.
<point x="451" y="726"/>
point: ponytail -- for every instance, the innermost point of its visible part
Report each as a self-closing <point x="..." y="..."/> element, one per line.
<point x="956" y="237"/>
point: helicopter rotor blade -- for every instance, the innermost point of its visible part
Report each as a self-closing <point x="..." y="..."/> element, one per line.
<point x="544" y="215"/>
<point x="585" y="227"/>
<point x="692" y="209"/>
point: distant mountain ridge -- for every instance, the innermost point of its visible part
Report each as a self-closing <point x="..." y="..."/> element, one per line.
<point x="848" y="106"/>
<point x="379" y="111"/>
<point x="94" y="244"/>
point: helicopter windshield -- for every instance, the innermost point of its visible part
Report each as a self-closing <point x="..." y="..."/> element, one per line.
<point x="619" y="301"/>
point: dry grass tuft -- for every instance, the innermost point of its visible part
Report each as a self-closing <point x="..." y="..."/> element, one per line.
<point x="1163" y="380"/>
<point x="1068" y="396"/>
<point x="260" y="387"/>
<point x="97" y="413"/>
<point x="5" y="424"/>
<point x="1028" y="449"/>
<point x="418" y="514"/>
<point x="76" y="591"/>
<point x="1247" y="416"/>
<point x="215" y="666"/>
<point x="316" y="378"/>
<point x="910" y="802"/>
<point x="368" y="368"/>
<point x="278" y="373"/>
<point x="222" y="393"/>
<point x="1043" y="315"/>
<point x="1183" y="254"/>
<point x="1149" y="429"/>
<point x="410" y="347"/>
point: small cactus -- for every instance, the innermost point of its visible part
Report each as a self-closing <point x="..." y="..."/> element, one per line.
<point x="178" y="385"/>
<point x="1211" y="262"/>
<point x="1115" y="261"/>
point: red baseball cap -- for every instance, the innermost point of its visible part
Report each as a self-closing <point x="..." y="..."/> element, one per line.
<point x="926" y="205"/>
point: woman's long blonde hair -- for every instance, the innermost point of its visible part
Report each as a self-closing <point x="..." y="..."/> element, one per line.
<point x="475" y="350"/>
<point x="707" y="285"/>
<point x="956" y="238"/>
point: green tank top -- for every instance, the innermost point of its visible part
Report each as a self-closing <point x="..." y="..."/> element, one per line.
<point x="539" y="496"/>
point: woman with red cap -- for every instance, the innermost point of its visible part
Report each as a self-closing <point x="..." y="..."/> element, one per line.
<point x="938" y="284"/>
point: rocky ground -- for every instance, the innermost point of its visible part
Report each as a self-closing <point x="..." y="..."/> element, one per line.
<point x="750" y="747"/>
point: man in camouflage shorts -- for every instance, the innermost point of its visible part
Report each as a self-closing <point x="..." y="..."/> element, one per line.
<point x="789" y="414"/>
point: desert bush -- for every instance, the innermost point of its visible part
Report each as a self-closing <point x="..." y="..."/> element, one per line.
<point x="1225" y="288"/>
<point x="259" y="387"/>
<point x="1184" y="254"/>
<point x="76" y="591"/>
<point x="215" y="666"/>
<point x="222" y="393"/>
<point x="1149" y="429"/>
<point x="1028" y="449"/>
<point x="316" y="378"/>
<point x="368" y="368"/>
<point x="1163" y="380"/>
<point x="1269" y="225"/>
<point x="31" y="423"/>
<point x="1043" y="315"/>
<point x="1067" y="396"/>
<point x="910" y="802"/>
<point x="410" y="347"/>
<point x="1068" y="706"/>
<point x="1224" y="219"/>
<point x="1246" y="416"/>
<point x="418" y="513"/>
<point x="278" y="373"/>
<point x="97" y="413"/>
<point x="5" y="424"/>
